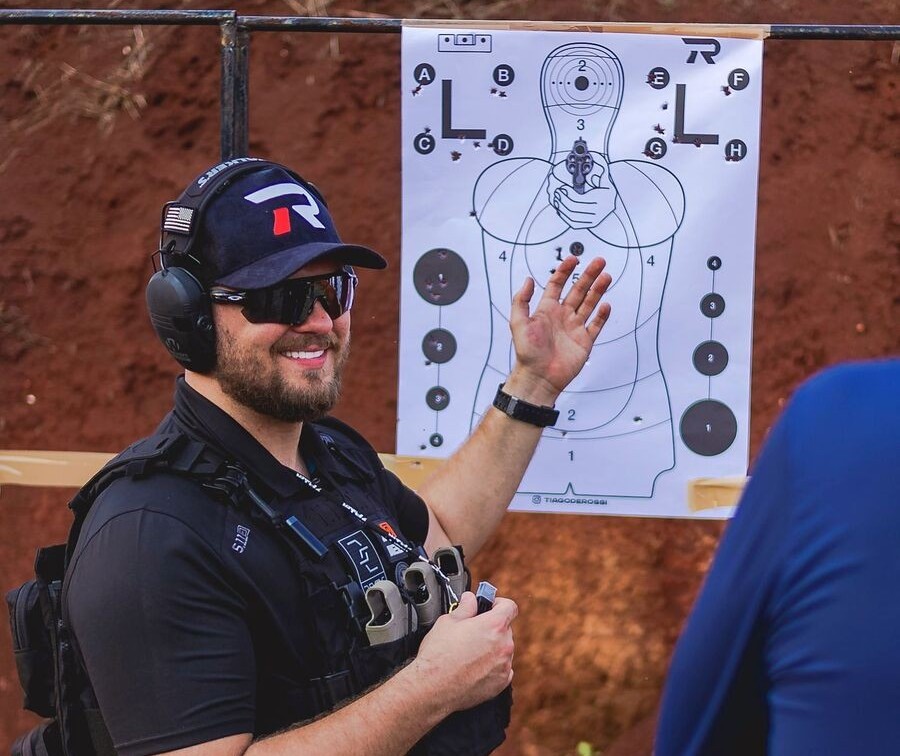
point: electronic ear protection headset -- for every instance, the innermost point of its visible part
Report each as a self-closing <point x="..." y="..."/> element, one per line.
<point x="177" y="298"/>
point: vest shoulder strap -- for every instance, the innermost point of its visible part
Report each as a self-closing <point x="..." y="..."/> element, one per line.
<point x="176" y="452"/>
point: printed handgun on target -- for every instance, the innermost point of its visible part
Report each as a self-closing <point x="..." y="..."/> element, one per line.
<point x="579" y="163"/>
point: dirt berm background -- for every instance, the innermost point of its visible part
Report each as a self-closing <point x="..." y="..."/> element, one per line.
<point x="99" y="126"/>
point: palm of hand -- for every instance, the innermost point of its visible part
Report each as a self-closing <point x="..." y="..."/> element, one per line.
<point x="553" y="343"/>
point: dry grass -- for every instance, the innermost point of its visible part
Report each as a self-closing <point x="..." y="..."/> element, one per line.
<point x="16" y="336"/>
<point x="72" y="92"/>
<point x="473" y="10"/>
<point x="312" y="8"/>
<point x="308" y="7"/>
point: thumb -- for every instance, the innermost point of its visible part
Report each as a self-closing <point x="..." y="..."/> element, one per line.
<point x="467" y="607"/>
<point x="595" y="181"/>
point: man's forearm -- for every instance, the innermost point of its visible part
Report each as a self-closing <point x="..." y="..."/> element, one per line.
<point x="470" y="493"/>
<point x="386" y="721"/>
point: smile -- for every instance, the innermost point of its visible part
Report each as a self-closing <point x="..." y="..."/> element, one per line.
<point x="304" y="355"/>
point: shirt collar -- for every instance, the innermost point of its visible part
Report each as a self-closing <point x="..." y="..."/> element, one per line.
<point x="203" y="419"/>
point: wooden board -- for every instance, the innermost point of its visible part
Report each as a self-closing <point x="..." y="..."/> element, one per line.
<point x="73" y="469"/>
<point x="737" y="31"/>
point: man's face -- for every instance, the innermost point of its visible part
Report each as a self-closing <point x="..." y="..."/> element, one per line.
<point x="290" y="373"/>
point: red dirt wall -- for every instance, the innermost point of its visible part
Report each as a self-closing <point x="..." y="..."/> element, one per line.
<point x="81" y="183"/>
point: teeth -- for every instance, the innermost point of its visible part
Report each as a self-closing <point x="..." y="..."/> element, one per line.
<point x="304" y="355"/>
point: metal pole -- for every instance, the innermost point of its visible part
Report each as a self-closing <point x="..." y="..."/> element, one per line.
<point x="228" y="43"/>
<point x="395" y="25"/>
<point x="234" y="97"/>
<point x="242" y="94"/>
<point x="324" y="24"/>
<point x="802" y="31"/>
<point x="117" y="17"/>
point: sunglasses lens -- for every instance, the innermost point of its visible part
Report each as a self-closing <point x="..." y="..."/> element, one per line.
<point x="336" y="293"/>
<point x="291" y="302"/>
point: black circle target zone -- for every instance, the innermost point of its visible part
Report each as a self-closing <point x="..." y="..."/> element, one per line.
<point x="441" y="276"/>
<point x="437" y="398"/>
<point x="581" y="82"/>
<point x="712" y="305"/>
<point x="710" y="358"/>
<point x="439" y="346"/>
<point x="708" y="427"/>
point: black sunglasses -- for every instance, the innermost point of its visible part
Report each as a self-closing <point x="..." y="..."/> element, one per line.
<point x="291" y="301"/>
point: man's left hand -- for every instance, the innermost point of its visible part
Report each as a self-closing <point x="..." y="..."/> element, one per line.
<point x="553" y="343"/>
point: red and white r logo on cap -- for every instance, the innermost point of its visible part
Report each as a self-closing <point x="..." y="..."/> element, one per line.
<point x="308" y="212"/>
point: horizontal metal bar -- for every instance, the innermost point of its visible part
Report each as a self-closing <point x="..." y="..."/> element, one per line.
<point x="323" y="24"/>
<point x="395" y="25"/>
<point x="804" y="31"/>
<point x="118" y="17"/>
<point x="385" y="25"/>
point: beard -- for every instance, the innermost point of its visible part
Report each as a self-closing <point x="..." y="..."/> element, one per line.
<point x="252" y="379"/>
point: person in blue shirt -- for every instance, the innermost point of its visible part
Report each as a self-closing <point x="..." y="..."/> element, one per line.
<point x="793" y="646"/>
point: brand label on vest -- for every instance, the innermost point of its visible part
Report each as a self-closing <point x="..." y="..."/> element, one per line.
<point x="364" y="557"/>
<point x="393" y="550"/>
<point x="241" y="537"/>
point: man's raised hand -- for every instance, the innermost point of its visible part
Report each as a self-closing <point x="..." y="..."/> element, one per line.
<point x="554" y="341"/>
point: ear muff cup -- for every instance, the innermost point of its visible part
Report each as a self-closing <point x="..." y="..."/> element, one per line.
<point x="181" y="314"/>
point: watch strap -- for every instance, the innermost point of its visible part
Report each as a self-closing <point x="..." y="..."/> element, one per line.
<point x="519" y="409"/>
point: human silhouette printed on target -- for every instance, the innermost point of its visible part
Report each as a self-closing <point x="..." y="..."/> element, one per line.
<point x="615" y="432"/>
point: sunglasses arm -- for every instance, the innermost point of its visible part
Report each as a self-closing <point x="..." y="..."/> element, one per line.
<point x="227" y="297"/>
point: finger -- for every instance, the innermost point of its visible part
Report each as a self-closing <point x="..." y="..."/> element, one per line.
<point x="597" y="179"/>
<point x="581" y="287"/>
<point x="507" y="607"/>
<point x="574" y="205"/>
<point x="597" y="290"/>
<point x="575" y="220"/>
<point x="598" y="321"/>
<point x="520" y="303"/>
<point x="557" y="280"/>
<point x="467" y="607"/>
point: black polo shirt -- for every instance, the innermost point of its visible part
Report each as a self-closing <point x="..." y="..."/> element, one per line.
<point x="191" y="617"/>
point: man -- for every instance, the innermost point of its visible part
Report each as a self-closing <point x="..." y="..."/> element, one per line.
<point x="792" y="647"/>
<point x="204" y="626"/>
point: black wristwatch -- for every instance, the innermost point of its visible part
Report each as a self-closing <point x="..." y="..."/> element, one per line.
<point x="519" y="409"/>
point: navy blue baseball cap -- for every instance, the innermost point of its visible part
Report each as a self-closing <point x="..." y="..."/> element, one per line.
<point x="265" y="225"/>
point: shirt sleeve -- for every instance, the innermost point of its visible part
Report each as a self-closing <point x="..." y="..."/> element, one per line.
<point x="412" y="514"/>
<point x="162" y="634"/>
<point x="713" y="701"/>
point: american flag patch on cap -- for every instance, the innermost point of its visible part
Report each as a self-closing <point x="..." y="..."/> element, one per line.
<point x="178" y="219"/>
